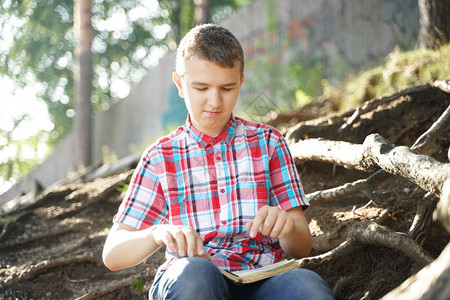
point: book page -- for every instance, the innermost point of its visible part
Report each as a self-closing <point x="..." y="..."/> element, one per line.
<point x="262" y="269"/>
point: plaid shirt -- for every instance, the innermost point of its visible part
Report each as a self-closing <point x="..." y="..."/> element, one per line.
<point x="215" y="185"/>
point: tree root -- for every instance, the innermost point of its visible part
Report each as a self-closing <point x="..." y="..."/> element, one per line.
<point x="34" y="270"/>
<point x="37" y="237"/>
<point x="348" y="155"/>
<point x="80" y="242"/>
<point x="423" y="218"/>
<point x="322" y="243"/>
<point x="372" y="104"/>
<point x="366" y="186"/>
<point x="373" y="290"/>
<point x="373" y="234"/>
<point x="88" y="196"/>
<point x="95" y="294"/>
<point x="428" y="284"/>
<point x="16" y="219"/>
<point x="49" y="195"/>
<point x="423" y="170"/>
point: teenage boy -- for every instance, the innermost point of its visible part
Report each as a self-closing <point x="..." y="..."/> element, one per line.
<point x="219" y="192"/>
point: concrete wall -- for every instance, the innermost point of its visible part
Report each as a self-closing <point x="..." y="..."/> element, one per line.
<point x="347" y="35"/>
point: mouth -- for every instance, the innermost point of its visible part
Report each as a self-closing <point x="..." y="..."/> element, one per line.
<point x="212" y="113"/>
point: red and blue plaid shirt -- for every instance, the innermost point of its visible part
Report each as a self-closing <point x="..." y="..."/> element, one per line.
<point x="215" y="185"/>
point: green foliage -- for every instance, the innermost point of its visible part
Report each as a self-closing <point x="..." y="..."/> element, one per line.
<point x="138" y="286"/>
<point x="290" y="84"/>
<point x="129" y="37"/>
<point x="122" y="188"/>
<point x="401" y="70"/>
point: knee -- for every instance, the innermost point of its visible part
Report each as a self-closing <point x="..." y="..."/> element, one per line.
<point x="196" y="266"/>
<point x="196" y="272"/>
<point x="308" y="283"/>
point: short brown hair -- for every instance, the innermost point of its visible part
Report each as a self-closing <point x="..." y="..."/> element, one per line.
<point x="213" y="43"/>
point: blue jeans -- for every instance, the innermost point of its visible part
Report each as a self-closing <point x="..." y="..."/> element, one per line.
<point x="197" y="278"/>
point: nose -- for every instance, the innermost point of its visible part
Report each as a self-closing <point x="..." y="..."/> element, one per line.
<point x="214" y="98"/>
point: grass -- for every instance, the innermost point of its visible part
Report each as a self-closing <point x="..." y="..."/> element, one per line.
<point x="400" y="70"/>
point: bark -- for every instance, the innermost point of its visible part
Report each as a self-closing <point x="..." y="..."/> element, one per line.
<point x="366" y="186"/>
<point x="96" y="294"/>
<point x="34" y="270"/>
<point x="344" y="154"/>
<point x="423" y="170"/>
<point x="82" y="80"/>
<point x="434" y="23"/>
<point x="201" y="11"/>
<point x="373" y="234"/>
<point x="423" y="219"/>
<point x="430" y="283"/>
<point x="442" y="212"/>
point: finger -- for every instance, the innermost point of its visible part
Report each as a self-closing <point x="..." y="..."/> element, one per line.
<point x="180" y="240"/>
<point x="200" y="247"/>
<point x="170" y="242"/>
<point x="258" y="221"/>
<point x="192" y="241"/>
<point x="277" y="228"/>
<point x="287" y="228"/>
<point x="206" y="256"/>
<point x="248" y="225"/>
<point x="270" y="221"/>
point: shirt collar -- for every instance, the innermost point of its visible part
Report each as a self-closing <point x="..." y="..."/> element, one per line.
<point x="226" y="135"/>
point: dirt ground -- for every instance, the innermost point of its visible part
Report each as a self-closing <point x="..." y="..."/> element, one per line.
<point x="52" y="250"/>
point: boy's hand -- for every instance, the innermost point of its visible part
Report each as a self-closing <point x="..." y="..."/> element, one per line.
<point x="271" y="221"/>
<point x="181" y="239"/>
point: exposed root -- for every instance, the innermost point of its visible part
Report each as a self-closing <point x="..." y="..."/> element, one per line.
<point x="14" y="220"/>
<point x="372" y="104"/>
<point x="32" y="271"/>
<point x="423" y="218"/>
<point x="37" y="237"/>
<point x="366" y="186"/>
<point x="423" y="170"/>
<point x="373" y="234"/>
<point x="88" y="196"/>
<point x="126" y="283"/>
<point x="80" y="242"/>
<point x="373" y="290"/>
<point x="323" y="243"/>
<point x="348" y="155"/>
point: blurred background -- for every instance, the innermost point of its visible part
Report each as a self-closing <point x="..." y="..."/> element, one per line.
<point x="86" y="83"/>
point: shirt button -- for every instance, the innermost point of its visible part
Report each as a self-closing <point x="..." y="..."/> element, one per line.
<point x="222" y="191"/>
<point x="217" y="158"/>
<point x="224" y="222"/>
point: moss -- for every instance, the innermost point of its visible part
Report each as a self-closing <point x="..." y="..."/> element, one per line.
<point x="401" y="70"/>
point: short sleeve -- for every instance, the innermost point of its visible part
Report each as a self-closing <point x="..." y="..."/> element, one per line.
<point x="287" y="190"/>
<point x="144" y="203"/>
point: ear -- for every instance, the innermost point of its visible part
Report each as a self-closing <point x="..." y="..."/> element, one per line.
<point x="177" y="80"/>
<point x="242" y="78"/>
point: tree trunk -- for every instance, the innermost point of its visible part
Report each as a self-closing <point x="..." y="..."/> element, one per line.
<point x="82" y="79"/>
<point x="201" y="12"/>
<point x="434" y="23"/>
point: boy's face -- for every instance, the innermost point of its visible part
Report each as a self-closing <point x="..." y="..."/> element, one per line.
<point x="210" y="93"/>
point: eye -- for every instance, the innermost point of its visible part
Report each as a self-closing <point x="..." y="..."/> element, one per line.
<point x="226" y="89"/>
<point x="201" y="89"/>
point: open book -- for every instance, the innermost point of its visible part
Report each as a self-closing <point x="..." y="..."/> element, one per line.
<point x="248" y="276"/>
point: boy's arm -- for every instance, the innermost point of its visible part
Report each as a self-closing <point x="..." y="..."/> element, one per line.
<point x="126" y="246"/>
<point x="298" y="242"/>
<point x="290" y="227"/>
